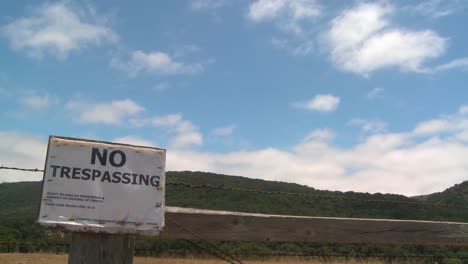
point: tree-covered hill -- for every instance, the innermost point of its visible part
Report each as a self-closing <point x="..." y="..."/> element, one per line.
<point x="232" y="193"/>
<point x="19" y="207"/>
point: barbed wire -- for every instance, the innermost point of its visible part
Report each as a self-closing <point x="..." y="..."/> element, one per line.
<point x="21" y="169"/>
<point x="34" y="243"/>
<point x="224" y="255"/>
<point x="324" y="196"/>
<point x="212" y="249"/>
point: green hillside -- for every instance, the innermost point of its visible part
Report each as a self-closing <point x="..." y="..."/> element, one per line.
<point x="20" y="200"/>
<point x="19" y="207"/>
<point x="312" y="203"/>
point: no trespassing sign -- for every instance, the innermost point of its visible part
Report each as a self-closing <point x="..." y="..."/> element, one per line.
<point x="103" y="187"/>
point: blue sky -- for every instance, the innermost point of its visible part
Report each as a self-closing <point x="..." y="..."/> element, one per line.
<point x="342" y="95"/>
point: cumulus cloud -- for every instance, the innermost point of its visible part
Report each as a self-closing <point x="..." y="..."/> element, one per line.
<point x="385" y="162"/>
<point x="286" y="14"/>
<point x="406" y="163"/>
<point x="134" y="140"/>
<point x="363" y="39"/>
<point x="186" y="133"/>
<point x="382" y="163"/>
<point x="433" y="126"/>
<point x="262" y="10"/>
<point x="295" y="19"/>
<point x="112" y="113"/>
<point x="446" y="124"/>
<point x="156" y="62"/>
<point x="321" y="103"/>
<point x="58" y="29"/>
<point x="183" y="132"/>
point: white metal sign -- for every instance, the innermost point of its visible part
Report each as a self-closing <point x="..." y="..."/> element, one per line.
<point x="103" y="187"/>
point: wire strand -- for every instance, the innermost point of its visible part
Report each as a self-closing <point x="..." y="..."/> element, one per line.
<point x="206" y="242"/>
<point x="20" y="169"/>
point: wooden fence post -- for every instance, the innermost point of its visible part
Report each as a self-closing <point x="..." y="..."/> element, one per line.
<point x="88" y="248"/>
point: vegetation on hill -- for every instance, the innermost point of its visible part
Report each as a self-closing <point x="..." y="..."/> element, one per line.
<point x="312" y="202"/>
<point x="19" y="208"/>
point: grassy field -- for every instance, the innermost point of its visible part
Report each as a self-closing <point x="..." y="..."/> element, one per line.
<point x="16" y="258"/>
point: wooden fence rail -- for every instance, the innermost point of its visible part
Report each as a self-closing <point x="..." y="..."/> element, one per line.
<point x="187" y="223"/>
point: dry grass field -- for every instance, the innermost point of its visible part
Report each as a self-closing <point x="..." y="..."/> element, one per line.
<point x="16" y="258"/>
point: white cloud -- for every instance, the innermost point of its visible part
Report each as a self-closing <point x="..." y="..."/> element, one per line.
<point x="265" y="9"/>
<point x="207" y="4"/>
<point x="296" y="19"/>
<point x="436" y="8"/>
<point x="58" y="29"/>
<point x="371" y="126"/>
<point x="385" y="162"/>
<point x="463" y="110"/>
<point x="447" y="124"/>
<point x="404" y="163"/>
<point x="262" y="10"/>
<point x="462" y="136"/>
<point x="23" y="151"/>
<point x="400" y="168"/>
<point x="321" y="103"/>
<point x="36" y="101"/>
<point x="461" y="63"/>
<point x="156" y="62"/>
<point x="134" y="140"/>
<point x="288" y="14"/>
<point x="171" y="120"/>
<point x="224" y="131"/>
<point x="433" y="127"/>
<point x="323" y="134"/>
<point x="187" y="139"/>
<point x="376" y="93"/>
<point x="113" y="113"/>
<point x="362" y="40"/>
<point x="186" y="133"/>
<point x="295" y="48"/>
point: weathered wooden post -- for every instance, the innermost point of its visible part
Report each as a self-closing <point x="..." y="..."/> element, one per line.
<point x="106" y="194"/>
<point x="101" y="248"/>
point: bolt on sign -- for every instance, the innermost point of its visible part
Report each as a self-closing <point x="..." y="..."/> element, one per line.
<point x="103" y="187"/>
